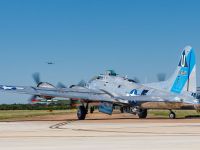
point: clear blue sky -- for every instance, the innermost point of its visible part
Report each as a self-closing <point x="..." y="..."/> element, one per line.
<point x="85" y="37"/>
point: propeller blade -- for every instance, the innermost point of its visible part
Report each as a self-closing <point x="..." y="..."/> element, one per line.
<point x="92" y="79"/>
<point x="161" y="77"/>
<point x="82" y="83"/>
<point x="136" y="80"/>
<point x="36" y="77"/>
<point x="61" y="85"/>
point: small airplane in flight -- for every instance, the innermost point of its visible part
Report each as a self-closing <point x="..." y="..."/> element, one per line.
<point x="110" y="90"/>
<point x="50" y="63"/>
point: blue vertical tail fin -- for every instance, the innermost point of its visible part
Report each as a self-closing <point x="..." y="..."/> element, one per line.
<point x="184" y="78"/>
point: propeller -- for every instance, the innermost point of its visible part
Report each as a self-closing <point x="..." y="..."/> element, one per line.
<point x="136" y="80"/>
<point x="61" y="85"/>
<point x="39" y="83"/>
<point x="161" y="77"/>
<point x="36" y="77"/>
<point x="82" y="83"/>
<point x="94" y="78"/>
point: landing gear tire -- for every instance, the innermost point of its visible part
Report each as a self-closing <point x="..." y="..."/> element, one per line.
<point x="122" y="110"/>
<point x="142" y="114"/>
<point x="172" y="115"/>
<point x="91" y="110"/>
<point x="81" y="113"/>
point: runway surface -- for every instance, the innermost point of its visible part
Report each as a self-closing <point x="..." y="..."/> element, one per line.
<point x="117" y="133"/>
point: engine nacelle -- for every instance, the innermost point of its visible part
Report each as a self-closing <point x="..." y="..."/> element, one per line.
<point x="46" y="85"/>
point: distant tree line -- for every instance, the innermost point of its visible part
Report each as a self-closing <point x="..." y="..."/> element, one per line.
<point x="34" y="107"/>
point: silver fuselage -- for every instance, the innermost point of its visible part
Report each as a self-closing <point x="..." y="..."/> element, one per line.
<point x="121" y="86"/>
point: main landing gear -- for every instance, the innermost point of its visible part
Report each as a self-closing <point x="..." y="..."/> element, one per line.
<point x="82" y="111"/>
<point x="142" y="113"/>
<point x="172" y="115"/>
<point x="91" y="109"/>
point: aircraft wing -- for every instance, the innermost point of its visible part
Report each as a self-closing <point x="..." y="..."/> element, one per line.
<point x="95" y="95"/>
<point x="75" y="93"/>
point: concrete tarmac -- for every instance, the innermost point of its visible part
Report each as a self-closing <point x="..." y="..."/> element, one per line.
<point x="112" y="134"/>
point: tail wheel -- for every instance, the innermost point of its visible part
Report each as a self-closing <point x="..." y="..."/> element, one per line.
<point x="81" y="113"/>
<point x="142" y="113"/>
<point x="172" y="115"/>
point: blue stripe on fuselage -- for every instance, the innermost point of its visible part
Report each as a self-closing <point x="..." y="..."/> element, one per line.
<point x="184" y="73"/>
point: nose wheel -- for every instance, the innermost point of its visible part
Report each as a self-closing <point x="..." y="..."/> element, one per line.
<point x="172" y="115"/>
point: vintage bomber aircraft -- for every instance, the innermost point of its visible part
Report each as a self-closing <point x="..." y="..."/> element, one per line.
<point x="110" y="90"/>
